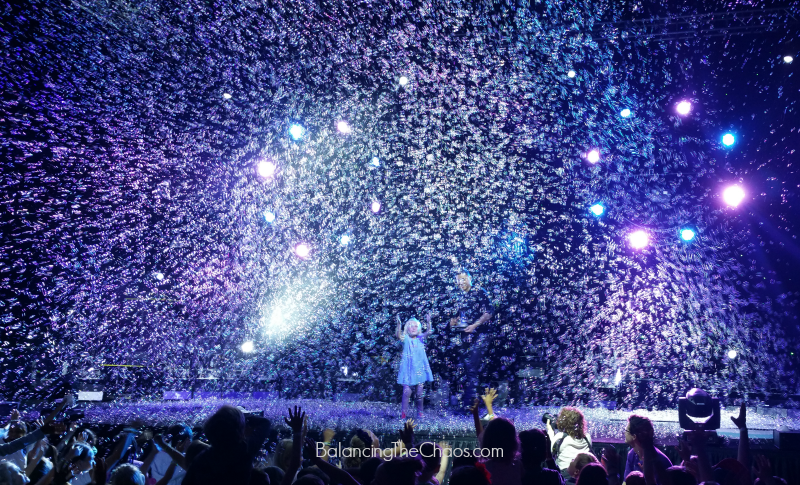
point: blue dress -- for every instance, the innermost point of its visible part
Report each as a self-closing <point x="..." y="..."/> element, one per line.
<point x="414" y="366"/>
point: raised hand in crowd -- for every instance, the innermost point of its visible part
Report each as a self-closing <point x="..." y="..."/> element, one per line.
<point x="407" y="434"/>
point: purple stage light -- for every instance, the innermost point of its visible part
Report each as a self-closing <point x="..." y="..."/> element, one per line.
<point x="266" y="168"/>
<point x="639" y="239"/>
<point x="684" y="108"/>
<point x="302" y="250"/>
<point x="733" y="195"/>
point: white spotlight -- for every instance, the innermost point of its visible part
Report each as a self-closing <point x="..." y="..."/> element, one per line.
<point x="638" y="239"/>
<point x="625" y="113"/>
<point x="376" y="161"/>
<point x="593" y="156"/>
<point x="728" y="139"/>
<point x="684" y="108"/>
<point x="266" y="168"/>
<point x="571" y="74"/>
<point x="345" y="240"/>
<point x="732" y="354"/>
<point x="296" y="131"/>
<point x="269" y="216"/>
<point x="343" y="127"/>
<point x="247" y="347"/>
<point x="788" y="59"/>
<point x="403" y="80"/>
<point x="159" y="276"/>
<point x="226" y="95"/>
<point x="376" y="206"/>
<point x="733" y="195"/>
<point x="302" y="250"/>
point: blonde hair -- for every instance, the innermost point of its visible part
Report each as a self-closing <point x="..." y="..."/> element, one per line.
<point x="408" y="324"/>
<point x="580" y="461"/>
<point x="571" y="421"/>
<point x="358" y="442"/>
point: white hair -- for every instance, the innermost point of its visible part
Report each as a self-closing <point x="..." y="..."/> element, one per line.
<point x="408" y="324"/>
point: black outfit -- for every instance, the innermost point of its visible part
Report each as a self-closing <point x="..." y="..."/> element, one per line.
<point x="542" y="476"/>
<point x="231" y="465"/>
<point x="470" y="306"/>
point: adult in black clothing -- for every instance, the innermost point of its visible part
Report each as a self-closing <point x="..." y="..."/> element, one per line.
<point x="230" y="458"/>
<point x="473" y="311"/>
<point x="533" y="444"/>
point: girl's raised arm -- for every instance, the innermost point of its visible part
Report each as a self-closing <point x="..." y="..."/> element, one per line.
<point x="430" y="327"/>
<point x="398" y="333"/>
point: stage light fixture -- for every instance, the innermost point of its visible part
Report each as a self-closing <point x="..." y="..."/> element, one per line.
<point x="597" y="209"/>
<point x="247" y="347"/>
<point x="375" y="161"/>
<point x="345" y="239"/>
<point x="226" y="95"/>
<point x="732" y="354"/>
<point x="593" y="156"/>
<point x="403" y="80"/>
<point x="571" y="74"/>
<point x="625" y="113"/>
<point x="687" y="234"/>
<point x="638" y="239"/>
<point x="376" y="206"/>
<point x="159" y="276"/>
<point x="266" y="168"/>
<point x="344" y="127"/>
<point x="728" y="139"/>
<point x="302" y="250"/>
<point x="733" y="195"/>
<point x="788" y="59"/>
<point x="684" y="108"/>
<point x="269" y="216"/>
<point x="296" y="131"/>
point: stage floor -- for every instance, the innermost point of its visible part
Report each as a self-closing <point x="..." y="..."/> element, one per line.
<point x="384" y="419"/>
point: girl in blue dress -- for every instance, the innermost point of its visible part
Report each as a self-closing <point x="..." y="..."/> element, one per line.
<point x="414" y="367"/>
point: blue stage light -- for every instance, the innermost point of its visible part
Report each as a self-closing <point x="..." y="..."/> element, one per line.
<point x="296" y="131"/>
<point x="687" y="234"/>
<point x="728" y="139"/>
<point x="597" y="209"/>
<point x="625" y="113"/>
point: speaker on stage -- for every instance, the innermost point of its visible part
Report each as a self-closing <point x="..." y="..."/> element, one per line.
<point x="786" y="439"/>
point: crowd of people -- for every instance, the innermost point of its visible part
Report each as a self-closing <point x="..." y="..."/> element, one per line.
<point x="232" y="447"/>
